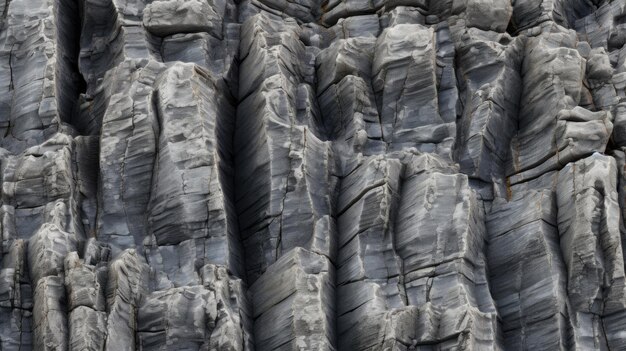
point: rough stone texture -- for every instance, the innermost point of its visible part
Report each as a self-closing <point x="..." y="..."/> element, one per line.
<point x="312" y="175"/>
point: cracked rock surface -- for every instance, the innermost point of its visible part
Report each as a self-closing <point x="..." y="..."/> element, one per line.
<point x="312" y="175"/>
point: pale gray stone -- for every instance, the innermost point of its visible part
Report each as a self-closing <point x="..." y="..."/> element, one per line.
<point x="312" y="175"/>
<point x="169" y="17"/>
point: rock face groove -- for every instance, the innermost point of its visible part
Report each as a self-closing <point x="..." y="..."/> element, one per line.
<point x="312" y="175"/>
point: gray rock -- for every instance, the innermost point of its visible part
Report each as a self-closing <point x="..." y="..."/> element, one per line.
<point x="345" y="57"/>
<point x="293" y="303"/>
<point x="127" y="156"/>
<point x="553" y="134"/>
<point x="404" y="76"/>
<point x="591" y="244"/>
<point x="16" y="300"/>
<point x="49" y="315"/>
<point x="85" y="284"/>
<point x="126" y="286"/>
<point x="87" y="329"/>
<point x="302" y="10"/>
<point x="38" y="55"/>
<point x="169" y="17"/>
<point x="524" y="242"/>
<point x="192" y="166"/>
<point x="312" y="175"/>
<point x="284" y="169"/>
<point x="393" y="265"/>
<point x="488" y="15"/>
<point x="491" y="91"/>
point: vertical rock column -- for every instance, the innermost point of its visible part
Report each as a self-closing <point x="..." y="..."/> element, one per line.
<point x="85" y="284"/>
<point x="397" y="261"/>
<point x="489" y="62"/>
<point x="284" y="189"/>
<point x="192" y="250"/>
<point x="40" y="225"/>
<point x="16" y="300"/>
<point x="46" y="252"/>
<point x="369" y="278"/>
<point x="553" y="128"/>
<point x="591" y="244"/>
<point x="405" y="83"/>
<point x="440" y="236"/>
<point x="190" y="214"/>
<point x="42" y="222"/>
<point x="527" y="273"/>
<point x="127" y="155"/>
<point x="112" y="33"/>
<point x="40" y="83"/>
<point x="165" y="161"/>
<point x="345" y="95"/>
<point x="127" y="283"/>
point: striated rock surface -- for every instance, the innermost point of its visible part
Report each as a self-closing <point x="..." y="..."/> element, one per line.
<point x="312" y="175"/>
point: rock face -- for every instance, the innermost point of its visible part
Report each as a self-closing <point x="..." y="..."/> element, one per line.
<point x="312" y="175"/>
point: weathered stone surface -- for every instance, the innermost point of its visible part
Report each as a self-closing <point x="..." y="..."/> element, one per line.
<point x="404" y="78"/>
<point x="126" y="286"/>
<point x="284" y="184"/>
<point x="49" y="315"/>
<point x="591" y="244"/>
<point x="523" y="242"/>
<point x="169" y="17"/>
<point x="293" y="303"/>
<point x="312" y="175"/>
<point x="398" y="262"/>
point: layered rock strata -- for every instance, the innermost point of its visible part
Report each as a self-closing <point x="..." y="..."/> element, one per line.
<point x="312" y="175"/>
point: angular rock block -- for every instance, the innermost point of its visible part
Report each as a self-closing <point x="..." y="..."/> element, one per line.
<point x="492" y="86"/>
<point x="552" y="134"/>
<point x="284" y="181"/>
<point x="345" y="95"/>
<point x="305" y="11"/>
<point x="357" y="26"/>
<point x="194" y="317"/>
<point x="176" y="318"/>
<point x="86" y="301"/>
<point x="336" y="10"/>
<point x="404" y="78"/>
<point x="591" y="244"/>
<point x="169" y="17"/>
<point x="85" y="284"/>
<point x="16" y="300"/>
<point x="193" y="170"/>
<point x="38" y="50"/>
<point x="602" y="26"/>
<point x="87" y="329"/>
<point x="47" y="250"/>
<point x="524" y="242"/>
<point x="126" y="168"/>
<point x="579" y="132"/>
<point x="126" y="287"/>
<point x="111" y="35"/>
<point x="49" y="315"/>
<point x="397" y="261"/>
<point x="342" y="58"/>
<point x="217" y="55"/>
<point x="233" y="328"/>
<point x="350" y="115"/>
<point x="532" y="13"/>
<point x="39" y="184"/>
<point x="293" y="303"/>
<point x="487" y="15"/>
